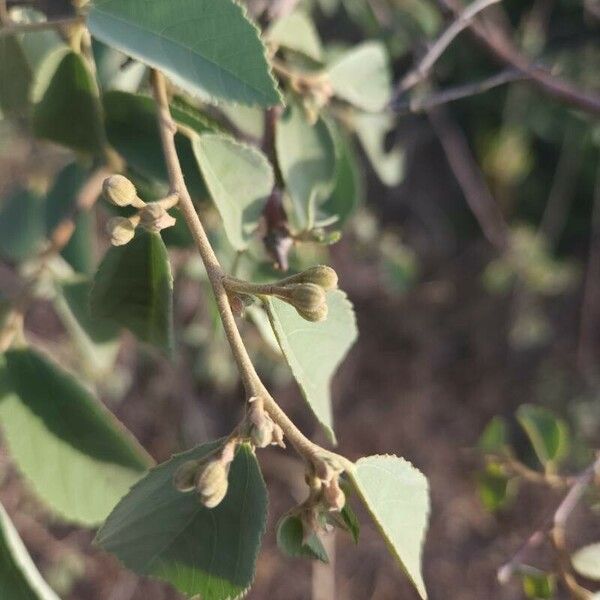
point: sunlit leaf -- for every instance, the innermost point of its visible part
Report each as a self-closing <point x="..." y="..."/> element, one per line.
<point x="207" y="47"/>
<point x="297" y="32"/>
<point x="75" y="455"/>
<point x="586" y="561"/>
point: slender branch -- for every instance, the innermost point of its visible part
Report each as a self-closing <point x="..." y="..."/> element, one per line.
<point x="501" y="47"/>
<point x="416" y="105"/>
<point x="16" y="28"/>
<point x="251" y="380"/>
<point x="467" y="173"/>
<point x="462" y="21"/>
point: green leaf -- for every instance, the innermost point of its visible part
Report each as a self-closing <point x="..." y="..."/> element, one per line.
<point x="97" y="339"/>
<point x="362" y="77"/>
<point x="586" y="561"/>
<point x="207" y="47"/>
<point x="239" y="178"/>
<point x="116" y="71"/>
<point x="76" y="456"/>
<point x="290" y="539"/>
<point x="397" y="497"/>
<point x="494" y="439"/>
<point x="548" y="434"/>
<point x="296" y="32"/>
<point x="163" y="533"/>
<point x="495" y="489"/>
<point x="68" y="112"/>
<point x="61" y="202"/>
<point x="132" y="129"/>
<point x="315" y="350"/>
<point x="306" y="157"/>
<point x="19" y="577"/>
<point x="371" y="130"/>
<point x="21" y="225"/>
<point x="134" y="289"/>
<point x="348" y="190"/>
<point x="537" y="584"/>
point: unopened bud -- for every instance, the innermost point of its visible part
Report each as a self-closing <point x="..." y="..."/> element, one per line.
<point x="333" y="495"/>
<point x="261" y="430"/>
<point x="319" y="314"/>
<point x="237" y="305"/>
<point x="305" y="296"/>
<point x="320" y="275"/>
<point x="121" y="231"/>
<point x="212" y="483"/>
<point x="277" y="438"/>
<point x="184" y="479"/>
<point x="154" y="217"/>
<point x="120" y="191"/>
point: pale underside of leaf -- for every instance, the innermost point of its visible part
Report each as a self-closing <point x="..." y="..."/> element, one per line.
<point x="397" y="497"/>
<point x="315" y="350"/>
<point x="207" y="47"/>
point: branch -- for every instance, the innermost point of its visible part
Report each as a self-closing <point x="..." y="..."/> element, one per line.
<point x="499" y="45"/>
<point x="252" y="383"/>
<point x="16" y="28"/>
<point x="462" y="21"/>
<point x="416" y="105"/>
<point x="469" y="177"/>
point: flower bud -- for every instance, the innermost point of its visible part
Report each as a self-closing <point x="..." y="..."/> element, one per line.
<point x="154" y="217"/>
<point x="119" y="190"/>
<point x="121" y="231"/>
<point x="333" y="495"/>
<point x="305" y="296"/>
<point x="321" y="275"/>
<point x="212" y="483"/>
<point x="320" y="314"/>
<point x="262" y="426"/>
<point x="184" y="479"/>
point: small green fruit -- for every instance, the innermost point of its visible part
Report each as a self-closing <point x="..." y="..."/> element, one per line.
<point x="119" y="190"/>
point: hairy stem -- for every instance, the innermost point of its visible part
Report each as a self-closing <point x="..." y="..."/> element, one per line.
<point x="252" y="382"/>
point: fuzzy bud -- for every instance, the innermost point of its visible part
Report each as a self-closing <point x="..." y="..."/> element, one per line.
<point x="305" y="296"/>
<point x="184" y="479"/>
<point x="154" y="217"/>
<point x="333" y="495"/>
<point x="321" y="275"/>
<point x="212" y="483"/>
<point x="121" y="231"/>
<point x="119" y="190"/>
<point x="319" y="314"/>
<point x="262" y="426"/>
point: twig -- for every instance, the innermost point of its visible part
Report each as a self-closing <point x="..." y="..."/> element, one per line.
<point x="462" y="21"/>
<point x="591" y="290"/>
<point x="416" y="105"/>
<point x="500" y="46"/>
<point x="467" y="173"/>
<point x="252" y="382"/>
<point x="16" y="28"/>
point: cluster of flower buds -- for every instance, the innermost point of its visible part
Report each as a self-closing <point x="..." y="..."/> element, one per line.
<point x="307" y="291"/>
<point x="209" y="478"/>
<point x="263" y="430"/>
<point x="120" y="191"/>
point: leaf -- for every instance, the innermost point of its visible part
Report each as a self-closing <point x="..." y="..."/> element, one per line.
<point x="21" y="225"/>
<point x="163" y="533"/>
<point x="348" y="189"/>
<point x="76" y="456"/>
<point x="61" y="202"/>
<point x="296" y="32"/>
<point x="548" y="434"/>
<point x="290" y="540"/>
<point x="371" y="130"/>
<point x="134" y="289"/>
<point x="306" y="157"/>
<point x="15" y="77"/>
<point x="397" y="497"/>
<point x="495" y="489"/>
<point x="132" y="129"/>
<point x="207" y="47"/>
<point x="315" y="350"/>
<point x="362" y="77"/>
<point x="97" y="339"/>
<point x="116" y="71"/>
<point x="494" y="439"/>
<point x="239" y="178"/>
<point x="68" y="113"/>
<point x="586" y="561"/>
<point x="537" y="584"/>
<point x="19" y="577"/>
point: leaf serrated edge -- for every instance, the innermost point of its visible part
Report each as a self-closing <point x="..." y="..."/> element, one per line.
<point x="352" y="473"/>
